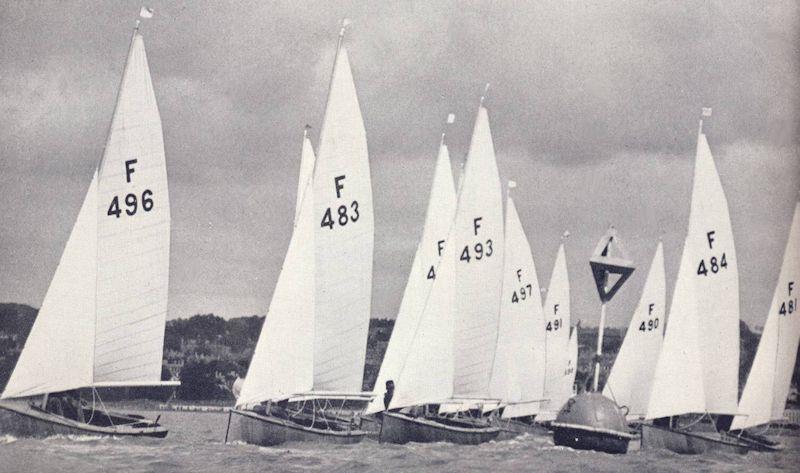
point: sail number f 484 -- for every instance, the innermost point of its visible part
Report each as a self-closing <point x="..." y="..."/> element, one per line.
<point x="713" y="264"/>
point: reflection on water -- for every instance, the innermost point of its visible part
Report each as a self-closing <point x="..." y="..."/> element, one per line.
<point x="195" y="444"/>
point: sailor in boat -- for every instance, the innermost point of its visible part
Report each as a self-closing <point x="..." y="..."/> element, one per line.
<point x="67" y="404"/>
<point x="387" y="398"/>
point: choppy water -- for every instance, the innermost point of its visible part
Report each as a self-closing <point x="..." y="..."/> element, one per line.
<point x="195" y="445"/>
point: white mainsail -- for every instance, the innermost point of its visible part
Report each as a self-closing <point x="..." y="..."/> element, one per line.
<point x="102" y="319"/>
<point x="518" y="372"/>
<point x="478" y="241"/>
<point x="283" y="361"/>
<point x="343" y="238"/>
<point x="764" y="396"/>
<point x="557" y="323"/>
<point x="697" y="370"/>
<point x="632" y="374"/>
<point x="438" y="220"/>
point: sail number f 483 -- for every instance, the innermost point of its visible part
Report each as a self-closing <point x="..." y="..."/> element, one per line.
<point x="344" y="214"/>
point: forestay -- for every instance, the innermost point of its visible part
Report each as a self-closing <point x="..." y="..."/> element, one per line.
<point x="438" y="220"/>
<point x="557" y="323"/>
<point x="698" y="367"/>
<point x="764" y="396"/>
<point x="102" y="320"/>
<point x="343" y="238"/>
<point x="518" y="373"/>
<point x="478" y="241"/>
<point x="283" y="359"/>
<point x="632" y="374"/>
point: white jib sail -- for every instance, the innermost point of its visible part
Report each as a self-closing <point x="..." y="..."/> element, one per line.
<point x="58" y="352"/>
<point x="557" y="323"/>
<point x="518" y="373"/>
<point x="133" y="236"/>
<point x="764" y="396"/>
<point x="283" y="361"/>
<point x="438" y="220"/>
<point x="343" y="238"/>
<point x="698" y="367"/>
<point x="632" y="374"/>
<point x="478" y="241"/>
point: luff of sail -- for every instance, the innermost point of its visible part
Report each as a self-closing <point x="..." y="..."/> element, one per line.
<point x="438" y="220"/>
<point x="478" y="241"/>
<point x="518" y="372"/>
<point x="769" y="380"/>
<point x="343" y="238"/>
<point x="697" y="370"/>
<point x="104" y="312"/>
<point x="557" y="323"/>
<point x="283" y="361"/>
<point x="632" y="374"/>
<point x="306" y="171"/>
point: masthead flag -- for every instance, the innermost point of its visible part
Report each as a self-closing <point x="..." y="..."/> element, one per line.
<point x="146" y="12"/>
<point x="706" y="111"/>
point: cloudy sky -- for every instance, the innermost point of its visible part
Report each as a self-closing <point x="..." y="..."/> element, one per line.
<point x="594" y="109"/>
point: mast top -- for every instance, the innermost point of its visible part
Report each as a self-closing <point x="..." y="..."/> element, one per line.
<point x="485" y="91"/>
<point x="451" y="118"/>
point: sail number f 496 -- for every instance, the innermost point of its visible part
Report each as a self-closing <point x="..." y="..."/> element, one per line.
<point x="131" y="200"/>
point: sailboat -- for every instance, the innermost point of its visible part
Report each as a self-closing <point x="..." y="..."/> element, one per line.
<point x="631" y="376"/>
<point x="698" y="367"/>
<point x="767" y="387"/>
<point x="438" y="219"/>
<point x="519" y="364"/>
<point x="450" y="358"/>
<point x="102" y="320"/>
<point x="557" y="335"/>
<point x="304" y="381"/>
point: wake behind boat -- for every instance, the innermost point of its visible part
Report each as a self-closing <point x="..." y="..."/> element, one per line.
<point x="304" y="381"/>
<point x="102" y="320"/>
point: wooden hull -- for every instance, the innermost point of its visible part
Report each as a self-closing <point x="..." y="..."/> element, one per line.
<point x="400" y="428"/>
<point x="691" y="443"/>
<point x="268" y="431"/>
<point x="582" y="438"/>
<point x="22" y="420"/>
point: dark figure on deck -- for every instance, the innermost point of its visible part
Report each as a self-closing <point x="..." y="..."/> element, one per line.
<point x="67" y="404"/>
<point x="387" y="397"/>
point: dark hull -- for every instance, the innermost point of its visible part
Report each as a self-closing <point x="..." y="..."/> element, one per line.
<point x="691" y="443"/>
<point x="510" y="428"/>
<point x="22" y="420"/>
<point x="400" y="428"/>
<point x="581" y="438"/>
<point x="268" y="431"/>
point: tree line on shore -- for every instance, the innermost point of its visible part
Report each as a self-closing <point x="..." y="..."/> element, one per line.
<point x="206" y="353"/>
